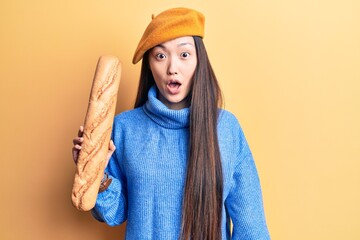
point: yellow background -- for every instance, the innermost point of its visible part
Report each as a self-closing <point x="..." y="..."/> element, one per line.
<point x="289" y="70"/>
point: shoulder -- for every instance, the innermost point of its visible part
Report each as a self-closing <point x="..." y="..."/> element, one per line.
<point x="227" y="120"/>
<point x="229" y="125"/>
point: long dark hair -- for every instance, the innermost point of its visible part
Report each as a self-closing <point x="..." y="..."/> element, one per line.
<point x="202" y="202"/>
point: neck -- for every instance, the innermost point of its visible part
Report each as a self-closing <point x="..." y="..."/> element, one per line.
<point x="174" y="105"/>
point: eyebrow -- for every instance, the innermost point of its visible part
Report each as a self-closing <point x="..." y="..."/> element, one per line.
<point x="179" y="45"/>
<point x="185" y="43"/>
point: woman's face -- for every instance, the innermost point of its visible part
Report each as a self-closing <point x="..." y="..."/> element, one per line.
<point x="173" y="64"/>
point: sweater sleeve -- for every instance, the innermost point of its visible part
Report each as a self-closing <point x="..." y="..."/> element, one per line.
<point x="111" y="204"/>
<point x="244" y="202"/>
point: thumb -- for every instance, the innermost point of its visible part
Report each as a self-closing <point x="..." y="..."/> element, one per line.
<point x="112" y="146"/>
<point x="112" y="149"/>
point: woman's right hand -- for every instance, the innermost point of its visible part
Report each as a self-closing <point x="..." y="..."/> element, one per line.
<point x="77" y="146"/>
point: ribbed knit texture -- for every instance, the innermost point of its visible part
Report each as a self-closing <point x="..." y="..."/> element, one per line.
<point x="148" y="170"/>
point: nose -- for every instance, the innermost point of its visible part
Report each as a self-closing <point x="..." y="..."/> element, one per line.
<point x="172" y="67"/>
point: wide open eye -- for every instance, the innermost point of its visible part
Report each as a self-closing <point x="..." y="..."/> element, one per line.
<point x="160" y="56"/>
<point x="185" y="54"/>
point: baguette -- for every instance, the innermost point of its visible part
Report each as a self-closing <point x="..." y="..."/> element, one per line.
<point x="97" y="133"/>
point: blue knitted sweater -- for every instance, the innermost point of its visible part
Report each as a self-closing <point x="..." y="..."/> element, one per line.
<point x="148" y="170"/>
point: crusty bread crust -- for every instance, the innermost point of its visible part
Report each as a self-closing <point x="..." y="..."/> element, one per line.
<point x="97" y="133"/>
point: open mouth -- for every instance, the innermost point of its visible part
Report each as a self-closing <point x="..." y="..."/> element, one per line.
<point x="174" y="84"/>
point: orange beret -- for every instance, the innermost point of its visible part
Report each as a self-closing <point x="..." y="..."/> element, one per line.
<point x="168" y="25"/>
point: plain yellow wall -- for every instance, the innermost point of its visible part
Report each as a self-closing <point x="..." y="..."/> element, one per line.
<point x="289" y="70"/>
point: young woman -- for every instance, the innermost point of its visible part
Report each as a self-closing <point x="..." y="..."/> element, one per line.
<point x="180" y="165"/>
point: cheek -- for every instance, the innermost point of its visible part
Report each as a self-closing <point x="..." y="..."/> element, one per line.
<point x="156" y="71"/>
<point x="157" y="78"/>
<point x="191" y="71"/>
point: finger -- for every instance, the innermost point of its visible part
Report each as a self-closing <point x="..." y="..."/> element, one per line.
<point x="112" y="146"/>
<point x="75" y="154"/>
<point x="81" y="131"/>
<point x="78" y="140"/>
<point x="77" y="147"/>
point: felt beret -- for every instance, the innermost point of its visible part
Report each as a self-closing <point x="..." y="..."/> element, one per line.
<point x="168" y="25"/>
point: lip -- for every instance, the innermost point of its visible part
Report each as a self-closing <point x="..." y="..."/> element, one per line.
<point x="173" y="86"/>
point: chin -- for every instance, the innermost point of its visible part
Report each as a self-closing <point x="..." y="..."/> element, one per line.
<point x="175" y="101"/>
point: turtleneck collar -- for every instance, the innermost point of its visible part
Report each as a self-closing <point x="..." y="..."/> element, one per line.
<point x="163" y="115"/>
